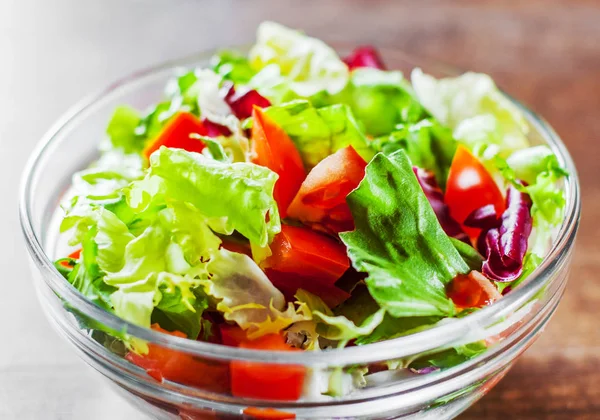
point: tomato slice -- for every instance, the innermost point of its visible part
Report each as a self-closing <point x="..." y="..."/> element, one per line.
<point x="469" y="187"/>
<point x="75" y="255"/>
<point x="273" y="148"/>
<point x="307" y="253"/>
<point x="162" y="363"/>
<point x="322" y="196"/>
<point x="289" y="283"/>
<point x="176" y="134"/>
<point x="255" y="413"/>
<point x="472" y="290"/>
<point x="263" y="380"/>
<point x="232" y="335"/>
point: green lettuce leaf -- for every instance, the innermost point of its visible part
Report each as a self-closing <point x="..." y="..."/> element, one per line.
<point x="469" y="254"/>
<point x="232" y="66"/>
<point x="474" y="108"/>
<point x="307" y="64"/>
<point x="428" y="145"/>
<point x="337" y="328"/>
<point x="180" y="304"/>
<point x="391" y="327"/>
<point x="121" y="129"/>
<point x="530" y="263"/>
<point x="319" y="132"/>
<point x="87" y="277"/>
<point x="399" y="242"/>
<point x="246" y="296"/>
<point x="340" y="328"/>
<point x="380" y="100"/>
<point x="528" y="163"/>
<point x="238" y="194"/>
<point x="540" y="168"/>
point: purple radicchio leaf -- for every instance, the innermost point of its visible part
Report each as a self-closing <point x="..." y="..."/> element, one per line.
<point x="483" y="218"/>
<point x="242" y="101"/>
<point x="215" y="130"/>
<point x="425" y="370"/>
<point x="507" y="244"/>
<point x="435" y="196"/>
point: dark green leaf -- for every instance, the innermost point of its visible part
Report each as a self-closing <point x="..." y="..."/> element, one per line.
<point x="399" y="242"/>
<point x="427" y="144"/>
<point x="469" y="254"/>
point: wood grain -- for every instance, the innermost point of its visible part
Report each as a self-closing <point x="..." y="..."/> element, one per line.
<point x="546" y="53"/>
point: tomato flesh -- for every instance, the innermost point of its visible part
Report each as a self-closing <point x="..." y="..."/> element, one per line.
<point x="307" y="253"/>
<point x="162" y="363"/>
<point x="472" y="290"/>
<point x="469" y="187"/>
<point x="289" y="283"/>
<point x="322" y="197"/>
<point x="176" y="134"/>
<point x="263" y="380"/>
<point x="273" y="148"/>
<point x="232" y="335"/>
<point x="267" y="414"/>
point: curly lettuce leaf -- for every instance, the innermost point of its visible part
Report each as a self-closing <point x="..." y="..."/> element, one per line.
<point x="147" y="260"/>
<point x="336" y="327"/>
<point x="121" y="130"/>
<point x="87" y="277"/>
<point x="240" y="195"/>
<point x="246" y="296"/>
<point x="399" y="242"/>
<point x="308" y="65"/>
<point x="380" y="100"/>
<point x="527" y="164"/>
<point x="180" y="304"/>
<point x="540" y="168"/>
<point x="474" y="108"/>
<point x="319" y="132"/>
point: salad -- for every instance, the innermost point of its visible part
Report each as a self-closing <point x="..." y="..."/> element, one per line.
<point x="291" y="199"/>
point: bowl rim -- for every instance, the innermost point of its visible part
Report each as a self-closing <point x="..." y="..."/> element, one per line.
<point x="385" y="350"/>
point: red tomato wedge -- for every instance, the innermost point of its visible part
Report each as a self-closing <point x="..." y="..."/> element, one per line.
<point x="289" y="283"/>
<point x="267" y="414"/>
<point x="273" y="148"/>
<point x="232" y="335"/>
<point x="162" y="363"/>
<point x="469" y="187"/>
<point x="472" y="290"/>
<point x="75" y="255"/>
<point x="307" y="253"/>
<point x="176" y="134"/>
<point x="322" y="196"/>
<point x="263" y="380"/>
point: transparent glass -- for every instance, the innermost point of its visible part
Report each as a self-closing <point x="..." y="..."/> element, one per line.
<point x="509" y="326"/>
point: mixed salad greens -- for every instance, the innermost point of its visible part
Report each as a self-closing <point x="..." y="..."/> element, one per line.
<point x="293" y="200"/>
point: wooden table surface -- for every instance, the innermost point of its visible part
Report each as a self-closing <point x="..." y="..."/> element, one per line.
<point x="545" y="53"/>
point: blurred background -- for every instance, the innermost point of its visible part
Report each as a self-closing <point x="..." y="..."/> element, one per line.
<point x="53" y="53"/>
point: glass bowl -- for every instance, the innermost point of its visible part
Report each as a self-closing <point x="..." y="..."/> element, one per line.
<point x="509" y="326"/>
